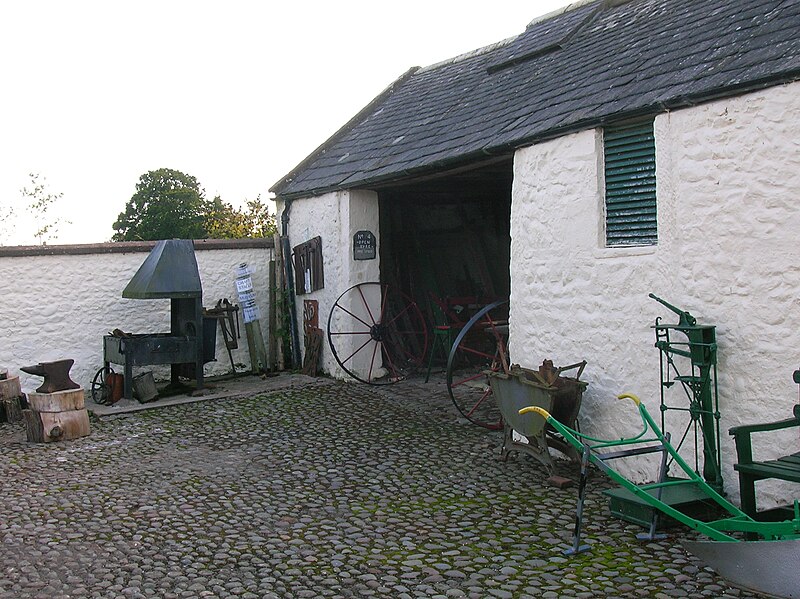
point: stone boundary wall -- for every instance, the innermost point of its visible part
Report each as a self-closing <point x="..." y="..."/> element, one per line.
<point x="58" y="301"/>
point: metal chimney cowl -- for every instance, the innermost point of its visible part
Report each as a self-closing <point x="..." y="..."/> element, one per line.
<point x="169" y="271"/>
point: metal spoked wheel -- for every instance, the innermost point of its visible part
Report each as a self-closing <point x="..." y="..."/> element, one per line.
<point x="480" y="347"/>
<point x="101" y="387"/>
<point x="377" y="334"/>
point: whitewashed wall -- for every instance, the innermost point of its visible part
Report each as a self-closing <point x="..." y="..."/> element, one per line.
<point x="60" y="305"/>
<point x="336" y="217"/>
<point x="728" y="215"/>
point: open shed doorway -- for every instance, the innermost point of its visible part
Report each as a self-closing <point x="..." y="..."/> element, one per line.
<point x="445" y="239"/>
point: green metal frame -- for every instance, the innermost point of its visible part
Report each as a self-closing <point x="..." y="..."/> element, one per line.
<point x="697" y="376"/>
<point x="594" y="451"/>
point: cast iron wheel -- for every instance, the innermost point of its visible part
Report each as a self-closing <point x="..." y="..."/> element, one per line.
<point x="393" y="338"/>
<point x="101" y="388"/>
<point x="480" y="347"/>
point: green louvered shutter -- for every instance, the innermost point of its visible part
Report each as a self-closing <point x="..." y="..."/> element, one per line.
<point x="630" y="172"/>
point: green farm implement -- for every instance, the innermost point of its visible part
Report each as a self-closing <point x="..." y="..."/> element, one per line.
<point x="761" y="556"/>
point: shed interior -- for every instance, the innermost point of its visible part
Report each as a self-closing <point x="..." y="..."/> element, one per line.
<point x="447" y="236"/>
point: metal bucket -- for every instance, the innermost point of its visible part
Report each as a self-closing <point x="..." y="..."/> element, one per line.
<point x="144" y="387"/>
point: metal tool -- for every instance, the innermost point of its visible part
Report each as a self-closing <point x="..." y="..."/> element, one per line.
<point x="227" y="315"/>
<point x="56" y="375"/>
<point x="774" y="557"/>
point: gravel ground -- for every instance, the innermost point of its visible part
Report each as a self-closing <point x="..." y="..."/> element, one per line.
<point x="319" y="489"/>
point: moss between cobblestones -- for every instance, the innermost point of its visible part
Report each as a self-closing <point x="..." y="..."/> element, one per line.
<point x="331" y="490"/>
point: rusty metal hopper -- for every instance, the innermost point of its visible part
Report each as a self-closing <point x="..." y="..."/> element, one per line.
<point x="169" y="271"/>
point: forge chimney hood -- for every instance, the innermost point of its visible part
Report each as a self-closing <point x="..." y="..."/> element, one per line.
<point x="169" y="271"/>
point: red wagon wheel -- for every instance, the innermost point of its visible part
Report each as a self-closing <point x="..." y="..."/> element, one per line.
<point x="377" y="334"/>
<point x="481" y="346"/>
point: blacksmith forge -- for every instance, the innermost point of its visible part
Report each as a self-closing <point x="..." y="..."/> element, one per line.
<point x="170" y="271"/>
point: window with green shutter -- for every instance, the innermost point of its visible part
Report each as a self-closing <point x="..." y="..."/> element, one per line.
<point x="630" y="173"/>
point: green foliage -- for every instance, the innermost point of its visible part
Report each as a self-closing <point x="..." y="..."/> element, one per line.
<point x="223" y="221"/>
<point x="40" y="201"/>
<point x="258" y="220"/>
<point x="167" y="204"/>
<point x="170" y="204"/>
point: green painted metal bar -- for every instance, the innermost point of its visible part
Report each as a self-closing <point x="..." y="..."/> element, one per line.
<point x="716" y="530"/>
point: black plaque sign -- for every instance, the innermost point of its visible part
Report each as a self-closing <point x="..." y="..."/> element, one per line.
<point x="364" y="245"/>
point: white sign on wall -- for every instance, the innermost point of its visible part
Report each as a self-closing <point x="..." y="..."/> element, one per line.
<point x="247" y="297"/>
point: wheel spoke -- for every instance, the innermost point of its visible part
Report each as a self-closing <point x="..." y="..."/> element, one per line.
<point x="469" y="379"/>
<point x="391" y="365"/>
<point x="372" y="361"/>
<point x="365" y="323"/>
<point x="384" y="302"/>
<point x="482" y="343"/>
<point x="352" y="333"/>
<point x="399" y="330"/>
<point x="476" y="352"/>
<point x="358" y="350"/>
<point x="486" y="394"/>
<point x="366" y="305"/>
<point x="399" y="314"/>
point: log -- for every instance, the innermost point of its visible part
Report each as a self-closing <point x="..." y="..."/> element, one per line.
<point x="46" y="427"/>
<point x="59" y="401"/>
<point x="9" y="387"/>
<point x="10" y="410"/>
<point x="10" y="394"/>
<point x="58" y="416"/>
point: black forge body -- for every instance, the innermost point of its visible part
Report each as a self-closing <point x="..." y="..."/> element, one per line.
<point x="170" y="271"/>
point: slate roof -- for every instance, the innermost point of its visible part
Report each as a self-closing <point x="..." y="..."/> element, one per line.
<point x="596" y="62"/>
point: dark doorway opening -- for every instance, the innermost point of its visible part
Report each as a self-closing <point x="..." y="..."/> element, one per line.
<point x="448" y="236"/>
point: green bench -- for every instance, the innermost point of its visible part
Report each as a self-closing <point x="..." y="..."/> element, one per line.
<point x="784" y="468"/>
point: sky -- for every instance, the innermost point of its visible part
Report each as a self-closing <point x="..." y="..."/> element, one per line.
<point x="236" y="93"/>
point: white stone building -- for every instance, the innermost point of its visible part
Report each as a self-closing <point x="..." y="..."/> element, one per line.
<point x="497" y="173"/>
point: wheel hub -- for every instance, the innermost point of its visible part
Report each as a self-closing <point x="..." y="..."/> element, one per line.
<point x="377" y="332"/>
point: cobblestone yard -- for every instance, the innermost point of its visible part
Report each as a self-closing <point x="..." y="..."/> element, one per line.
<point x="321" y="489"/>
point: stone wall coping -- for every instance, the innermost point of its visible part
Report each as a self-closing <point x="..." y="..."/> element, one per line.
<point x="124" y="247"/>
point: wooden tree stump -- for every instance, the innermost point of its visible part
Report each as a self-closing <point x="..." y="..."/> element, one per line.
<point x="10" y="393"/>
<point x="58" y="416"/>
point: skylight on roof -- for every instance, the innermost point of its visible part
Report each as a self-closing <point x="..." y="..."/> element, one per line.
<point x="545" y="37"/>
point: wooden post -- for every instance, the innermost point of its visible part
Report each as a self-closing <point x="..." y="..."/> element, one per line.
<point x="271" y="340"/>
<point x="255" y="340"/>
<point x="280" y="310"/>
<point x="251" y="316"/>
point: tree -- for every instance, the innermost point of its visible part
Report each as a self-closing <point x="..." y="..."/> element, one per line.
<point x="40" y="201"/>
<point x="167" y="204"/>
<point x="258" y="220"/>
<point x="7" y="218"/>
<point x="223" y="221"/>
